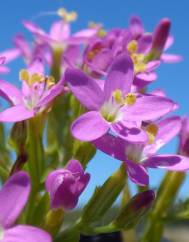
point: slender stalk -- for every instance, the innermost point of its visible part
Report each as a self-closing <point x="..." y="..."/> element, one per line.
<point x="165" y="197"/>
<point x="36" y="161"/>
<point x="127" y="235"/>
<point x="53" y="221"/>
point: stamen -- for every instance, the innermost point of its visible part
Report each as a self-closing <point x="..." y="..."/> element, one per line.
<point x="35" y="78"/>
<point x="151" y="130"/>
<point x="130" y="99"/>
<point x="132" y="46"/>
<point x="90" y="55"/>
<point x="101" y="33"/>
<point x="139" y="67"/>
<point x="50" y="81"/>
<point x="67" y="16"/>
<point x="118" y="96"/>
<point x="24" y="75"/>
<point x="139" y="63"/>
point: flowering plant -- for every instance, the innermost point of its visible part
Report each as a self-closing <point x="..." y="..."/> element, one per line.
<point x="80" y="93"/>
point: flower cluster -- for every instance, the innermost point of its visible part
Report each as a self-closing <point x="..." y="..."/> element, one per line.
<point x="81" y="92"/>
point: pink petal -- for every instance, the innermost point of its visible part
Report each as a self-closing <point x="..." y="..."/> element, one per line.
<point x="120" y="76"/>
<point x="85" y="89"/>
<point x="149" y="108"/>
<point x="10" y="54"/>
<point x="89" y="126"/>
<point x="169" y="42"/>
<point x="168" y="129"/>
<point x="136" y="26"/>
<point x="168" y="162"/>
<point x="129" y="132"/>
<point x="13" y="197"/>
<point x="60" y="31"/>
<point x="137" y="173"/>
<point x="16" y="114"/>
<point x="25" y="233"/>
<point x="170" y="58"/>
<point x="10" y="93"/>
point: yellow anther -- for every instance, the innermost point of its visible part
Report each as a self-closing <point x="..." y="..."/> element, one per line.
<point x="90" y="55"/>
<point x="67" y="16"/>
<point x="132" y="46"/>
<point x="24" y="75"/>
<point x="35" y="78"/>
<point x="139" y="67"/>
<point x="139" y="64"/>
<point x="50" y="81"/>
<point x="101" y="33"/>
<point x="130" y="99"/>
<point x="151" y="130"/>
<point x="118" y="96"/>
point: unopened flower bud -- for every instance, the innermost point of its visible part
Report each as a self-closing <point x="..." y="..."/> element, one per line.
<point x="130" y="215"/>
<point x="160" y="36"/>
<point x="66" y="185"/>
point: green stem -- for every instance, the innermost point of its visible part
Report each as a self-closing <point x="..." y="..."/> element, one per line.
<point x="165" y="197"/>
<point x="54" y="221"/>
<point x="56" y="63"/>
<point x="36" y="161"/>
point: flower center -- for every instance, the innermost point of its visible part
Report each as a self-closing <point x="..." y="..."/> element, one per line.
<point x="137" y="58"/>
<point x="37" y="84"/>
<point x="1" y="233"/>
<point x="110" y="110"/>
<point x="134" y="152"/>
<point x="33" y="78"/>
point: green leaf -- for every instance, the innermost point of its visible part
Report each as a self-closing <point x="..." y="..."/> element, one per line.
<point x="104" y="197"/>
<point x="69" y="235"/>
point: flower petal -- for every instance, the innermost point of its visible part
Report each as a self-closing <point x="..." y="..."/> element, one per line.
<point x="85" y="89"/>
<point x="129" y="132"/>
<point x="111" y="145"/>
<point x="23" y="45"/>
<point x="144" y="43"/>
<point x="75" y="167"/>
<point x="10" y="54"/>
<point x="149" y="108"/>
<point x="168" y="129"/>
<point x="13" y="197"/>
<point x="36" y="30"/>
<point x="60" y="31"/>
<point x="136" y="26"/>
<point x="16" y="114"/>
<point x="137" y="173"/>
<point x="89" y="126"/>
<point x="10" y="93"/>
<point x="51" y="94"/>
<point x="82" y="36"/>
<point x="4" y="69"/>
<point x="168" y="162"/>
<point x="141" y="80"/>
<point x="170" y="58"/>
<point x="169" y="42"/>
<point x="26" y="233"/>
<point x="120" y="76"/>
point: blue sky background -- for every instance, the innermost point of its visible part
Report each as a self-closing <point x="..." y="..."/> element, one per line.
<point x="112" y="13"/>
